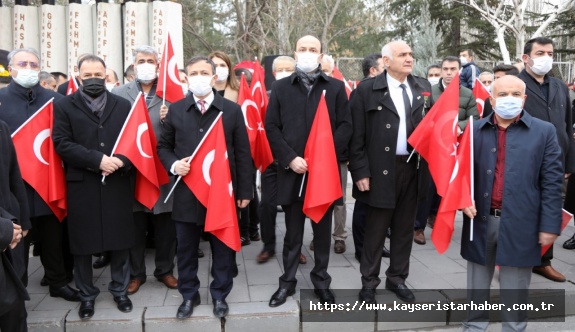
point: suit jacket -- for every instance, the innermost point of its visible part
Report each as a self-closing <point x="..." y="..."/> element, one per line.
<point x="130" y="92"/>
<point x="289" y="117"/>
<point x="533" y="178"/>
<point x="374" y="140"/>
<point x="184" y="128"/>
<point x="556" y="110"/>
<point x="99" y="214"/>
<point x="467" y="103"/>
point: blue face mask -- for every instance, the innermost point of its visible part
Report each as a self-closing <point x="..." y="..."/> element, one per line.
<point x="508" y="107"/>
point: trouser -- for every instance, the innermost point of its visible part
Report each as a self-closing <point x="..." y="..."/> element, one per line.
<point x="119" y="270"/>
<point x="358" y="226"/>
<point x="267" y="210"/>
<point x="340" y="211"/>
<point x="427" y="207"/>
<point x="249" y="215"/>
<point x="15" y="319"/>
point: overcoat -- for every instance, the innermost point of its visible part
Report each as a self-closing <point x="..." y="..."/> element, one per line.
<point x="99" y="214"/>
<point x="531" y="203"/>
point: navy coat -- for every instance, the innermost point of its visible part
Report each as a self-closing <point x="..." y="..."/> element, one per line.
<point x="531" y="193"/>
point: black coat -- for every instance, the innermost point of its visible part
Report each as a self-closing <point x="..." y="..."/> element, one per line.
<point x="374" y="139"/>
<point x="99" y="215"/>
<point x="17" y="104"/>
<point x="289" y="117"/>
<point x="184" y="127"/>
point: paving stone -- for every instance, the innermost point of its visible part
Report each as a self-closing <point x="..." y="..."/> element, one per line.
<point x="47" y="321"/>
<point x="258" y="316"/>
<point x="106" y="320"/>
<point x="164" y="319"/>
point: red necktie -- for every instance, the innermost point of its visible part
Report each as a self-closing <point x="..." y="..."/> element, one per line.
<point x="202" y="106"/>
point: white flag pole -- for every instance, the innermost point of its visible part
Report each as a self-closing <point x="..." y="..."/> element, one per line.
<point x="472" y="185"/>
<point x="165" y="59"/>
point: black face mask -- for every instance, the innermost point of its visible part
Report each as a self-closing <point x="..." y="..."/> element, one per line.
<point x="94" y="87"/>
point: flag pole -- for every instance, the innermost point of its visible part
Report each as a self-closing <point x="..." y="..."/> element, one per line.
<point x="470" y="123"/>
<point x="193" y="154"/>
<point x="302" y="182"/>
<point x="165" y="59"/>
<point x="123" y="128"/>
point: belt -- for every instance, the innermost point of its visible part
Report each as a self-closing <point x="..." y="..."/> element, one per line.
<point x="495" y="212"/>
<point x="403" y="158"/>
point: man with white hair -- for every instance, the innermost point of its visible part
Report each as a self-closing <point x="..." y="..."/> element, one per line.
<point x="327" y="65"/>
<point x="385" y="111"/>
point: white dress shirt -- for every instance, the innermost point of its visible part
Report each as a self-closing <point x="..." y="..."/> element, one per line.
<point x="396" y="94"/>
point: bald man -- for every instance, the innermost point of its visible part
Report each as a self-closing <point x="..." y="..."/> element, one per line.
<point x="290" y="114"/>
<point x="518" y="175"/>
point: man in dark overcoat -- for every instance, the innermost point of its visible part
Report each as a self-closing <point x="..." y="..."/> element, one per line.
<point x="86" y="127"/>
<point x="186" y="123"/>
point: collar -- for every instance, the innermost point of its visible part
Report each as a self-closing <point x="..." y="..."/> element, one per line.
<point x="322" y="75"/>
<point x="393" y="82"/>
<point x="382" y="83"/>
<point x="524" y="118"/>
<point x="24" y="92"/>
<point x="545" y="78"/>
<point x="209" y="99"/>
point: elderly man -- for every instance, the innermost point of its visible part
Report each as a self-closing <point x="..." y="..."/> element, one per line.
<point x="518" y="177"/>
<point x="291" y="110"/>
<point x="87" y="124"/>
<point x="385" y="110"/>
<point x="486" y="78"/>
<point x="146" y="67"/>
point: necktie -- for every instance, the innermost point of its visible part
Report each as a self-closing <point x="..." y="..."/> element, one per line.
<point x="407" y="106"/>
<point x="202" y="104"/>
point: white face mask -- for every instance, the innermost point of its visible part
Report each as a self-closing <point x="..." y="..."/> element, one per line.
<point x="433" y="80"/>
<point x="488" y="88"/>
<point x="307" y="61"/>
<point x="200" y="85"/>
<point x="185" y="89"/>
<point x="282" y="74"/>
<point x="542" y="65"/>
<point x="26" y="77"/>
<point x="508" y="107"/>
<point x="110" y="86"/>
<point x="223" y="73"/>
<point x="463" y="60"/>
<point x="146" y="72"/>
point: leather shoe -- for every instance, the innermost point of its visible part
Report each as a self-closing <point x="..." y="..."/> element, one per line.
<point x="255" y="237"/>
<point x="419" y="236"/>
<point x="302" y="259"/>
<point x="569" y="244"/>
<point x="86" y="310"/>
<point x="124" y="303"/>
<point x="200" y="253"/>
<point x="102" y="261"/>
<point x="385" y="253"/>
<point x="170" y="281"/>
<point x="367" y="295"/>
<point x="43" y="281"/>
<point x="280" y="297"/>
<point x="220" y="308"/>
<point x="401" y="291"/>
<point x="187" y="307"/>
<point x="325" y="295"/>
<point x="549" y="272"/>
<point x="264" y="256"/>
<point x="66" y="292"/>
<point x="339" y="247"/>
<point x="134" y="286"/>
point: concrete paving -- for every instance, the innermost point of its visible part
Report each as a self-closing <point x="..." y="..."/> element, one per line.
<point x="155" y="306"/>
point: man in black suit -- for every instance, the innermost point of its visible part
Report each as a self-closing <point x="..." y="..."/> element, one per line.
<point x="385" y="110"/>
<point x="290" y="114"/>
<point x="87" y="124"/>
<point x="185" y="125"/>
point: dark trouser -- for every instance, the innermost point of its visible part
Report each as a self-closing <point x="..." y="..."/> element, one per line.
<point x="268" y="207"/>
<point x="358" y="226"/>
<point x="249" y="215"/>
<point x="55" y="254"/>
<point x="165" y="240"/>
<point x="119" y="270"/>
<point x="427" y="207"/>
<point x="15" y="319"/>
<point x="295" y="221"/>
<point x="401" y="220"/>
<point x="188" y="235"/>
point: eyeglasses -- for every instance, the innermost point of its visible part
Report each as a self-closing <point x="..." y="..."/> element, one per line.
<point x="24" y="64"/>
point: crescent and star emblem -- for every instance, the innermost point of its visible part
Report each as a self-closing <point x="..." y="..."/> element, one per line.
<point x="142" y="128"/>
<point x="207" y="165"/>
<point x="40" y="138"/>
<point x="247" y="103"/>
<point x="172" y="70"/>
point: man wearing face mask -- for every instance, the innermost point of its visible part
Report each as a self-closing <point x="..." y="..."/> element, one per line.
<point x="112" y="80"/>
<point x="548" y="100"/>
<point x="518" y="177"/>
<point x="146" y="67"/>
<point x="87" y="124"/>
<point x="20" y="100"/>
<point x="486" y="78"/>
<point x="291" y="110"/>
<point x="433" y="74"/>
<point x="469" y="70"/>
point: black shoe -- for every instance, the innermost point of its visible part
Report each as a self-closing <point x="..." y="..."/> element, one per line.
<point x="66" y="292"/>
<point x="200" y="253"/>
<point x="102" y="261"/>
<point x="220" y="308"/>
<point x="402" y="292"/>
<point x="280" y="297"/>
<point x="187" y="307"/>
<point x="43" y="281"/>
<point x="245" y="241"/>
<point x="235" y="270"/>
<point x="86" y="310"/>
<point x="385" y="253"/>
<point x="255" y="237"/>
<point x="325" y="295"/>
<point x="367" y="295"/>
<point x="124" y="303"/>
<point x="569" y="244"/>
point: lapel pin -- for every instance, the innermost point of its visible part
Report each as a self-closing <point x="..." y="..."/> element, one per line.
<point x="418" y="97"/>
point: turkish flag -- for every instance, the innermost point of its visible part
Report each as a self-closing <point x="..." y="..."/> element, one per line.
<point x="323" y="183"/>
<point x="137" y="142"/>
<point x="337" y="74"/>
<point x="40" y="165"/>
<point x="72" y="85"/>
<point x="481" y="94"/>
<point x="211" y="182"/>
<point x="435" y="138"/>
<point x="566" y="218"/>
<point x="258" y="88"/>
<point x="169" y="87"/>
<point x="458" y="194"/>
<point x="259" y="145"/>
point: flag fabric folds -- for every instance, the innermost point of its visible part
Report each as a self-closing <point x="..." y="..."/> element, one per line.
<point x="337" y="74"/>
<point x="169" y="87"/>
<point x="72" y="85"/>
<point x="258" y="89"/>
<point x="481" y="94"/>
